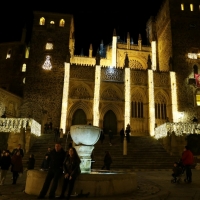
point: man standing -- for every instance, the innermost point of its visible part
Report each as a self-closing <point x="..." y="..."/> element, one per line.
<point x="122" y="134"/>
<point x="188" y="161"/>
<point x="56" y="159"/>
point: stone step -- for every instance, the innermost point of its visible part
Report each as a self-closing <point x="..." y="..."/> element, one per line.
<point x="142" y="153"/>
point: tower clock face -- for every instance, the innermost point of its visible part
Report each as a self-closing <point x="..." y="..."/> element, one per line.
<point x="49" y="46"/>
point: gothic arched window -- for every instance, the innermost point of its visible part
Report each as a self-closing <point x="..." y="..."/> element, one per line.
<point x="137" y="108"/>
<point x="160" y="107"/>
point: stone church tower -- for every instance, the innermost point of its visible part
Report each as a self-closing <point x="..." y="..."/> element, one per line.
<point x="45" y="72"/>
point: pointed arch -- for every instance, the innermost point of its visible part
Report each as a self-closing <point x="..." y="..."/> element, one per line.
<point x="111" y="93"/>
<point x="113" y="107"/>
<point x="135" y="63"/>
<point x="80" y="105"/>
<point x="81" y="91"/>
<point x="161" y="102"/>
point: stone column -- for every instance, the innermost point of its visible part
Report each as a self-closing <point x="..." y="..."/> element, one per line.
<point x="65" y="97"/>
<point x="96" y="95"/>
<point x="151" y="102"/>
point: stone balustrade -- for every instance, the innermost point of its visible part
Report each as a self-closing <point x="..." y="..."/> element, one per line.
<point x="16" y="124"/>
<point x="178" y="129"/>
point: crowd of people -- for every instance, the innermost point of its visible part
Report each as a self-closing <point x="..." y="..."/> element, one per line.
<point x="13" y="161"/>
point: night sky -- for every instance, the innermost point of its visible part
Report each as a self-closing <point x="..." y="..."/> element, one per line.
<point x="93" y="21"/>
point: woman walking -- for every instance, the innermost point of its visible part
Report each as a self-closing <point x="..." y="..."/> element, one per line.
<point x="17" y="166"/>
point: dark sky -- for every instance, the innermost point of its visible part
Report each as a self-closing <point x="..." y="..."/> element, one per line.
<point x="94" y="20"/>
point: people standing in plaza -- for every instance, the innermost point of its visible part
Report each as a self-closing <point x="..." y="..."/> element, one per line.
<point x="122" y="134"/>
<point x="31" y="162"/>
<point x="110" y="134"/>
<point x="56" y="134"/>
<point x="18" y="149"/>
<point x="102" y="136"/>
<point x="56" y="159"/>
<point x="71" y="168"/>
<point x="5" y="164"/>
<point x="188" y="160"/>
<point x="107" y="160"/>
<point x="17" y="166"/>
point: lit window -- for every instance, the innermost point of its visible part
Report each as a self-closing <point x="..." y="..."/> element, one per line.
<point x="24" y="80"/>
<point x="42" y="21"/>
<point x="47" y="64"/>
<point x="49" y="46"/>
<point x="191" y="7"/>
<point x="62" y="23"/>
<point x="52" y="22"/>
<point x="9" y="54"/>
<point x="24" y="67"/>
<point x="182" y="6"/>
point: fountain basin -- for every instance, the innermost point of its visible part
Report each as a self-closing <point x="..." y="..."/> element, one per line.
<point x="97" y="184"/>
<point x="85" y="134"/>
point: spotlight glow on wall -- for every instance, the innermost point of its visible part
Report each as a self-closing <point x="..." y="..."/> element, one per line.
<point x="65" y="97"/>
<point x="96" y="96"/>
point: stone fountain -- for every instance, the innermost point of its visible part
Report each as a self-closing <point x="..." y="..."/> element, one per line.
<point x="84" y="137"/>
<point x="97" y="183"/>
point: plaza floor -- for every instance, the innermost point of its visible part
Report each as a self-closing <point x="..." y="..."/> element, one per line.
<point x="152" y="185"/>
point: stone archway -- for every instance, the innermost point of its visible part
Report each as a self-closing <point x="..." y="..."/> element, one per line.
<point x="110" y="122"/>
<point x="79" y="117"/>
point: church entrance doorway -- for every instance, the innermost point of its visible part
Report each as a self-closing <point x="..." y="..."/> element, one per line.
<point x="110" y="122"/>
<point x="79" y="117"/>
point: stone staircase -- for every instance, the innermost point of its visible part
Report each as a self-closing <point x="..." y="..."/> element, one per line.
<point x="40" y="147"/>
<point x="143" y="152"/>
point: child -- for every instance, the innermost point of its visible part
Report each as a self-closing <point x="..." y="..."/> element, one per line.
<point x="31" y="162"/>
<point x="5" y="164"/>
<point x="176" y="171"/>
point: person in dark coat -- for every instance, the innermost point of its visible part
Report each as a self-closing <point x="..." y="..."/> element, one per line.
<point x="187" y="160"/>
<point x="107" y="160"/>
<point x="5" y="164"/>
<point x="122" y="134"/>
<point x="17" y="166"/>
<point x="128" y="131"/>
<point x="18" y="149"/>
<point x="56" y="159"/>
<point x="71" y="168"/>
<point x="31" y="162"/>
<point x="102" y="136"/>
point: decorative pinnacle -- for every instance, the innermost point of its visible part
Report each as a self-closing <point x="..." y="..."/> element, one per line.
<point x="114" y="32"/>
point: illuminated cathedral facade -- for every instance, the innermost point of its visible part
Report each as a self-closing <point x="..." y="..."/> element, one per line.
<point x="125" y="83"/>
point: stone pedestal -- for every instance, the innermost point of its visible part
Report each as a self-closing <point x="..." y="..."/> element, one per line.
<point x="84" y="137"/>
<point x="84" y="153"/>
